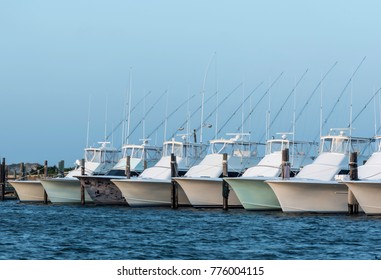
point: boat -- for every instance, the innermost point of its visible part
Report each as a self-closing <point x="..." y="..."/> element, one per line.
<point x="103" y="191"/>
<point x="97" y="161"/>
<point x="316" y="187"/>
<point x="203" y="183"/>
<point x="251" y="189"/>
<point x="367" y="188"/>
<point x="28" y="190"/>
<point x="153" y="186"/>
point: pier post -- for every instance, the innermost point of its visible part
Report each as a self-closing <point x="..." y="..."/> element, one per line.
<point x="22" y="171"/>
<point x="285" y="164"/>
<point x="2" y="179"/>
<point x="225" y="185"/>
<point x="128" y="167"/>
<point x="174" y="190"/>
<point x="144" y="164"/>
<point x="45" y="176"/>
<point x="353" y="205"/>
<point x="61" y="168"/>
<point x="82" y="186"/>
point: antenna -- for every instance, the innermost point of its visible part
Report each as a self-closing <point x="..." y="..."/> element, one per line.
<point x="129" y="107"/>
<point x="321" y="110"/>
<point x="268" y="115"/>
<point x="166" y="117"/>
<point x="106" y="118"/>
<point x="375" y="115"/>
<point x="88" y="122"/>
<point x="203" y="95"/>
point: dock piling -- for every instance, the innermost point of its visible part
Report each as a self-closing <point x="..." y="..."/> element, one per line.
<point x="128" y="167"/>
<point x="285" y="163"/>
<point x="353" y="205"/>
<point x="174" y="191"/>
<point x="2" y="179"/>
<point x="225" y="185"/>
<point x="82" y="186"/>
<point x="45" y="176"/>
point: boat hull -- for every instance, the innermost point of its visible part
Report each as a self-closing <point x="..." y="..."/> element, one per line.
<point x="102" y="191"/>
<point x="29" y="191"/>
<point x="254" y="193"/>
<point x="152" y="193"/>
<point x="206" y="192"/>
<point x="64" y="190"/>
<point x="368" y="195"/>
<point x="311" y="196"/>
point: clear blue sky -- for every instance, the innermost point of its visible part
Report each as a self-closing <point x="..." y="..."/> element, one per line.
<point x="55" y="56"/>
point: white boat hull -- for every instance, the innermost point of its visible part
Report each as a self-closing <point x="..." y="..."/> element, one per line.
<point x="311" y="196"/>
<point x="29" y="191"/>
<point x="254" y="193"/>
<point x="152" y="193"/>
<point x="206" y="192"/>
<point x="64" y="190"/>
<point x="368" y="195"/>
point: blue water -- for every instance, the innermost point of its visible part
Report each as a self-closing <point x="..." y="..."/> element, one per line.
<point x="45" y="232"/>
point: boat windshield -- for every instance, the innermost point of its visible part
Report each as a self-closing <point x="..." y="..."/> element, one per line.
<point x="276" y="146"/>
<point x="133" y="152"/>
<point x="172" y="148"/>
<point x="334" y="145"/>
<point x="98" y="156"/>
<point x="238" y="149"/>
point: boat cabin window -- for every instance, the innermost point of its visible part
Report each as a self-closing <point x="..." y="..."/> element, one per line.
<point x="93" y="156"/>
<point x="152" y="153"/>
<point x="109" y="156"/>
<point x="276" y="146"/>
<point x="334" y="145"/>
<point x="221" y="148"/>
<point x="174" y="148"/>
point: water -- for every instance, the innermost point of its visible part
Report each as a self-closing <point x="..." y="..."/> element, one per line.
<point x="45" y="232"/>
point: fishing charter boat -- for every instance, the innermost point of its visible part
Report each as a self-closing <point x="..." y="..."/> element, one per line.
<point x="98" y="161"/>
<point x="203" y="184"/>
<point x="316" y="188"/>
<point x="367" y="189"/>
<point x="251" y="189"/>
<point x="103" y="191"/>
<point x="153" y="186"/>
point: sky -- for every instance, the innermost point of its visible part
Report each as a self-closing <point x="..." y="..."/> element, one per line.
<point x="70" y="71"/>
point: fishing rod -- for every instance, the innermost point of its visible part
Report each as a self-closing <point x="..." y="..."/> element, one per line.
<point x="219" y="104"/>
<point x="342" y="92"/>
<point x="370" y="100"/>
<point x="288" y="97"/>
<point x="259" y="101"/>
<point x="149" y="110"/>
<point x="194" y="112"/>
<point x="123" y="119"/>
<point x="240" y="105"/>
<point x="314" y="91"/>
<point x="172" y="113"/>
